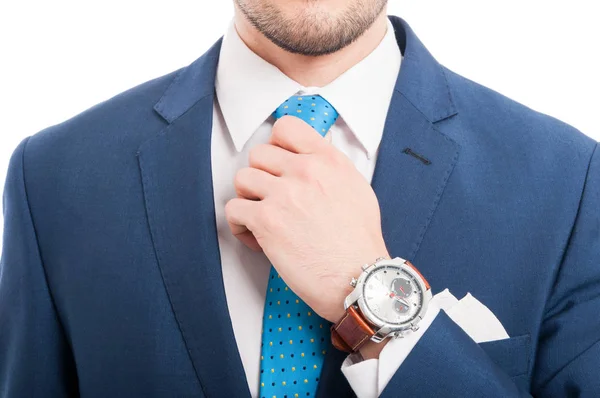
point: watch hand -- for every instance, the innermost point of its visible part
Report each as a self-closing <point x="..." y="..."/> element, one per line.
<point x="399" y="299"/>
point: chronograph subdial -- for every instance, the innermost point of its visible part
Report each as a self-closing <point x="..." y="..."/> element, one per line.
<point x="401" y="307"/>
<point x="401" y="287"/>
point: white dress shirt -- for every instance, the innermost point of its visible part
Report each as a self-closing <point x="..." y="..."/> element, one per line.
<point x="248" y="90"/>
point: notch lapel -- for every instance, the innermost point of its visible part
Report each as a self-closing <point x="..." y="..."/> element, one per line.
<point x="178" y="193"/>
<point x="413" y="167"/>
<point x="414" y="163"/>
<point x="415" y="159"/>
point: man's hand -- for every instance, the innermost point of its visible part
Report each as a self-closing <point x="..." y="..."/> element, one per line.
<point x="309" y="209"/>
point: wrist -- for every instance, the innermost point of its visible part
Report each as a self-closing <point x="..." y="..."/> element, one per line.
<point x="371" y="349"/>
<point x="338" y="311"/>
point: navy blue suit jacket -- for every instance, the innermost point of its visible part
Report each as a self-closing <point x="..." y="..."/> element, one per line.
<point x="110" y="280"/>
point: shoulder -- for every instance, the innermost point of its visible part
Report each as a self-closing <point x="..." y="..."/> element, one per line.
<point x="94" y="152"/>
<point x="121" y="123"/>
<point x="495" y="113"/>
<point x="494" y="124"/>
<point x="99" y="144"/>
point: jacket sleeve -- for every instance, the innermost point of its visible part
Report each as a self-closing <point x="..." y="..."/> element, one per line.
<point x="35" y="359"/>
<point x="446" y="362"/>
<point x="568" y="358"/>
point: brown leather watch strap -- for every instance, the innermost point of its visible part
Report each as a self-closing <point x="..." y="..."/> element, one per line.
<point x="351" y="331"/>
<point x="427" y="287"/>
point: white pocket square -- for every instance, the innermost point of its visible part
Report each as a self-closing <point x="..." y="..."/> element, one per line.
<point x="473" y="317"/>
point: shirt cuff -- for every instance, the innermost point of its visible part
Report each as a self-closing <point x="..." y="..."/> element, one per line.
<point x="369" y="378"/>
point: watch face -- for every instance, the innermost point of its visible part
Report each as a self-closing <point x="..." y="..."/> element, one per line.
<point x="392" y="295"/>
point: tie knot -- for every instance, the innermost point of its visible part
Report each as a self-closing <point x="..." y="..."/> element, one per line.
<point x="313" y="109"/>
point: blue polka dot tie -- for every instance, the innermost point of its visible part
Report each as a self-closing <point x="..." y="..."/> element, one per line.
<point x="313" y="109"/>
<point x="294" y="338"/>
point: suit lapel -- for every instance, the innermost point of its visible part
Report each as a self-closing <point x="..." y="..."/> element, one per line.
<point x="413" y="166"/>
<point x="177" y="181"/>
<point x="415" y="159"/>
<point x="414" y="163"/>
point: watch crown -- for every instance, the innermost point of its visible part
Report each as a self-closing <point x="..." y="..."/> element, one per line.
<point x="353" y="282"/>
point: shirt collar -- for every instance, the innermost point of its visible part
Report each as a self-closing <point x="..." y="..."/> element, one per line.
<point x="249" y="88"/>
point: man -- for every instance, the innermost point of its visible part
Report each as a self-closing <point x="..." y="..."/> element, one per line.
<point x="127" y="267"/>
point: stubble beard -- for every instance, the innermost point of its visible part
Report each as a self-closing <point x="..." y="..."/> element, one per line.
<point x="312" y="32"/>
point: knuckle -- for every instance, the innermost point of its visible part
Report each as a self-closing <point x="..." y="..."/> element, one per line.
<point x="336" y="158"/>
<point x="306" y="168"/>
<point x="241" y="176"/>
<point x="255" y="154"/>
<point x="230" y="209"/>
<point x="277" y="132"/>
<point x="269" y="219"/>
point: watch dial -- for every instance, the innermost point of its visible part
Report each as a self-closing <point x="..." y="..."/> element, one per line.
<point x="392" y="295"/>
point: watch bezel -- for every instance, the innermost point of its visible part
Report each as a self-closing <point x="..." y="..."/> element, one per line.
<point x="385" y="329"/>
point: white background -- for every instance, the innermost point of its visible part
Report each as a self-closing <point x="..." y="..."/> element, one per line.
<point x="60" y="57"/>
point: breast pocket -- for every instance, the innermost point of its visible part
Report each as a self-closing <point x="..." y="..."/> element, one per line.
<point x="511" y="355"/>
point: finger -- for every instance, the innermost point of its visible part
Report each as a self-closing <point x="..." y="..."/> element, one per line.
<point x="238" y="213"/>
<point x="270" y="158"/>
<point x="248" y="239"/>
<point x="241" y="214"/>
<point x="296" y="136"/>
<point x="254" y="184"/>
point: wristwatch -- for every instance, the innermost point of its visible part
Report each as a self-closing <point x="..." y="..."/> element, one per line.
<point x="389" y="299"/>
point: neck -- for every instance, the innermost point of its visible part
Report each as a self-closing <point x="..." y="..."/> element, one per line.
<point x="311" y="71"/>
